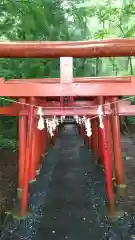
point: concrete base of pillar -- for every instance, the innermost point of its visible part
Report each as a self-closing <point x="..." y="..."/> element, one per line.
<point x="116" y="215"/>
<point x="32" y="181"/>
<point x="114" y="180"/>
<point x="42" y="159"/>
<point x="15" y="213"/>
<point x="19" y="193"/>
<point x="38" y="172"/>
<point x="121" y="190"/>
<point x="43" y="156"/>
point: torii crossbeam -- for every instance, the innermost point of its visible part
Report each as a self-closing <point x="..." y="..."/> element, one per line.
<point x="85" y="49"/>
<point x="107" y="86"/>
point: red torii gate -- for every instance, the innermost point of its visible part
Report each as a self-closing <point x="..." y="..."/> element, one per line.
<point x="33" y="92"/>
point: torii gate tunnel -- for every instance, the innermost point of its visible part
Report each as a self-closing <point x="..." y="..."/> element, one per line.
<point x="49" y="95"/>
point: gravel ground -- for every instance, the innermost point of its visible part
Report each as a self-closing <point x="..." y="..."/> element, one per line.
<point x="76" y="205"/>
<point x="68" y="200"/>
<point x="8" y="180"/>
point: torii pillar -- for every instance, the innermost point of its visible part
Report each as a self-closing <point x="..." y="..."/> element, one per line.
<point x="118" y="162"/>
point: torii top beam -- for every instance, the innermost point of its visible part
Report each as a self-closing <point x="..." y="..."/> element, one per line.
<point x="102" y="48"/>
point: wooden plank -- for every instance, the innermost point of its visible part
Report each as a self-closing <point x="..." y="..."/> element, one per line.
<point x="99" y="48"/>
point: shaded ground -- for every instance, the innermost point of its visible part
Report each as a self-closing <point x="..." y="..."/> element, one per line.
<point x="71" y="209"/>
<point x="75" y="205"/>
<point x="128" y="149"/>
<point x="8" y="179"/>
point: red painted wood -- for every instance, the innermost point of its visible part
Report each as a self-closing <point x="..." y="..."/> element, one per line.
<point x="38" y="153"/>
<point x="95" y="139"/>
<point x="106" y="158"/>
<point x="33" y="155"/>
<point x="24" y="202"/>
<point x="75" y="80"/>
<point x="72" y="87"/>
<point x="22" y="139"/>
<point x="101" y="145"/>
<point x="77" y="108"/>
<point x="75" y="89"/>
<point x="118" y="162"/>
<point x="101" y="138"/>
<point x="99" y="48"/>
<point x="94" y="136"/>
<point x="108" y="166"/>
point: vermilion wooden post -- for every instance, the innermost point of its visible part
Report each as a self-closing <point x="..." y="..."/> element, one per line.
<point x="118" y="163"/>
<point x="22" y="148"/>
<point x="39" y="148"/>
<point x="33" y="101"/>
<point x="108" y="166"/>
<point x="94" y="139"/>
<point x="110" y="139"/>
<point x="43" y="147"/>
<point x="101" y="136"/>
<point x="46" y="141"/>
<point x="101" y="145"/>
<point x="109" y="101"/>
<point x="33" y="154"/>
<point x="107" y="160"/>
<point x="24" y="202"/>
